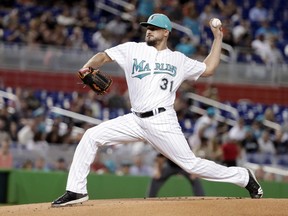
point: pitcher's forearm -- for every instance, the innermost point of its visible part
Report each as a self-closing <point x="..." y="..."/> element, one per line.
<point x="98" y="60"/>
<point x="213" y="59"/>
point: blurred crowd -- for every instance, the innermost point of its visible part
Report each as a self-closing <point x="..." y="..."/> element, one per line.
<point x="28" y="125"/>
<point x="255" y="28"/>
<point x="247" y="25"/>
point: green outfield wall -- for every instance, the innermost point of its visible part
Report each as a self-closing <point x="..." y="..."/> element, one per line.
<point x="22" y="187"/>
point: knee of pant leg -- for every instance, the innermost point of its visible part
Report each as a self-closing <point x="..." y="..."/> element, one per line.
<point x="90" y="135"/>
<point x="87" y="134"/>
<point x="191" y="166"/>
<point x="89" y="131"/>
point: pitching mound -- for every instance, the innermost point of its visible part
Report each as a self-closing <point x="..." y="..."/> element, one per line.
<point x="157" y="206"/>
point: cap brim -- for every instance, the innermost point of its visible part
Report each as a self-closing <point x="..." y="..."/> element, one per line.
<point x="145" y="24"/>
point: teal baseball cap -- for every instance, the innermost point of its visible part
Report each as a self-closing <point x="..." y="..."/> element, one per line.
<point x="158" y="20"/>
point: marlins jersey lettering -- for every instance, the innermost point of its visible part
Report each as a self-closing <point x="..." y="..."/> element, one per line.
<point x="153" y="77"/>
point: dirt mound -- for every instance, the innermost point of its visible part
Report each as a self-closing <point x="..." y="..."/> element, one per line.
<point x="157" y="206"/>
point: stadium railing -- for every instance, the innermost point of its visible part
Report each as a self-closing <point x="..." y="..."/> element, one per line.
<point x="60" y="59"/>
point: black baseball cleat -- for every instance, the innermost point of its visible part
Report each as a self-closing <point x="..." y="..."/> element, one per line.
<point x="253" y="186"/>
<point x="69" y="198"/>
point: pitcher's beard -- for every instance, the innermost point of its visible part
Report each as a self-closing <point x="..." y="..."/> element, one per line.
<point x="151" y="42"/>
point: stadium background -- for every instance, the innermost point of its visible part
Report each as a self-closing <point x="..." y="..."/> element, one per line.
<point x="44" y="44"/>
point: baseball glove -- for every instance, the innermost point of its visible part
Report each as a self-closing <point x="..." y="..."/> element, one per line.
<point x="98" y="81"/>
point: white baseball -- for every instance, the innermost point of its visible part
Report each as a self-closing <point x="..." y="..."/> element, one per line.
<point x="216" y="22"/>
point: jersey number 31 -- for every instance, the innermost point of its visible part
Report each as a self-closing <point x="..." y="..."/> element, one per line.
<point x="166" y="84"/>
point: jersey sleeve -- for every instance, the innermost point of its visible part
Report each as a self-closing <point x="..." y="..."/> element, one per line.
<point x="193" y="68"/>
<point x="119" y="53"/>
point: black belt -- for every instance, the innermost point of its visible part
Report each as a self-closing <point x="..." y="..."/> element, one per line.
<point x="150" y="113"/>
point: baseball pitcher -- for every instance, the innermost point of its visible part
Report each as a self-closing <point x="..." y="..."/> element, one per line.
<point x="153" y="73"/>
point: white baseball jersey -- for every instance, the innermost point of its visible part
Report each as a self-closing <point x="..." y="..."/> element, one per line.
<point x="153" y="78"/>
